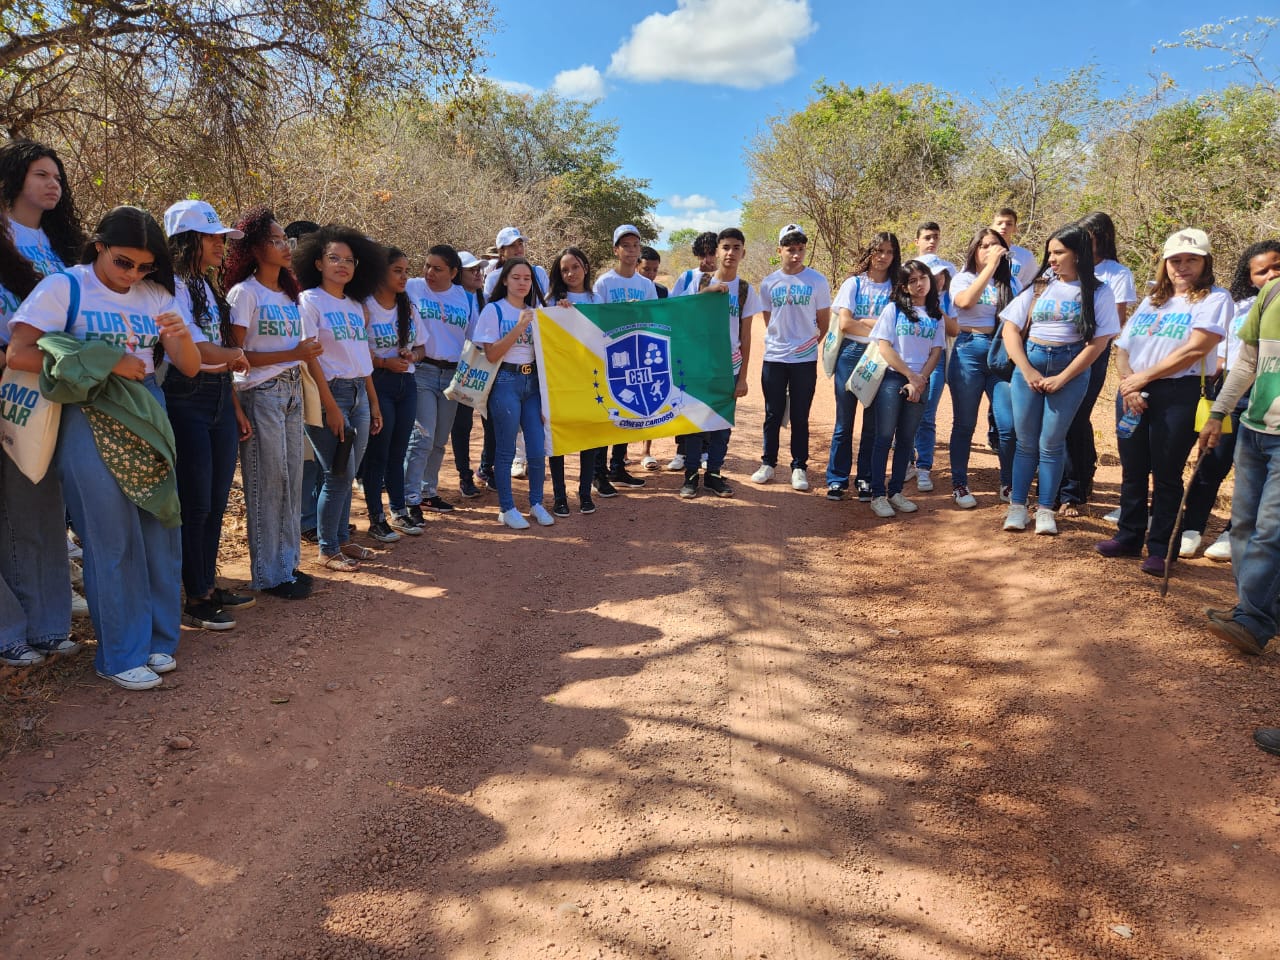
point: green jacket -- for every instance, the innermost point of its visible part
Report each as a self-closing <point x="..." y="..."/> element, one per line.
<point x="130" y="428"/>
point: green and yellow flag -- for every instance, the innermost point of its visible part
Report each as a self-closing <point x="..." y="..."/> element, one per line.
<point x="614" y="373"/>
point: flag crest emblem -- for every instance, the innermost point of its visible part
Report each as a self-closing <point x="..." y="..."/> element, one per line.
<point x="640" y="372"/>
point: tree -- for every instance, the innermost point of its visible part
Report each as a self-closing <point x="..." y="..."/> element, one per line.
<point x="1242" y="47"/>
<point x="682" y="239"/>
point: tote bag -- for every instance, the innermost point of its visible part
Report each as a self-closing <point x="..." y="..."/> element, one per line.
<point x="834" y="339"/>
<point x="865" y="379"/>
<point x="29" y="422"/>
<point x="473" y="379"/>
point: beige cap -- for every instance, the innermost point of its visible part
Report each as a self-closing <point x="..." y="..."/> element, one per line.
<point x="1190" y="240"/>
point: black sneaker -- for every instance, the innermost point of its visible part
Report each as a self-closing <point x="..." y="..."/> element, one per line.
<point x="604" y="487"/>
<point x="381" y="531"/>
<point x="290" y="590"/>
<point x="689" y="489"/>
<point x="485" y="478"/>
<point x="586" y="505"/>
<point x="864" y="491"/>
<point x="561" y="507"/>
<point x="439" y="504"/>
<point x="715" y="484"/>
<point x="835" y="492"/>
<point x="206" y="615"/>
<point x="402" y="523"/>
<point x="467" y="487"/>
<point x="232" y="601"/>
<point x="624" y="479"/>
<point x="415" y="516"/>
<point x="305" y="579"/>
<point x="311" y="536"/>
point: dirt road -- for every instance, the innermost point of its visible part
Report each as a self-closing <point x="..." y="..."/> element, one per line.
<point x="768" y="727"/>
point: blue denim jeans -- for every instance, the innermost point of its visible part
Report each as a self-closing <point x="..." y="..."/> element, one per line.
<point x="35" y="582"/>
<point x="312" y="481"/>
<point x="840" y="459"/>
<point x="206" y="437"/>
<point x="271" y="469"/>
<point x="1082" y="453"/>
<point x="1041" y="421"/>
<point x="783" y="384"/>
<point x="969" y="378"/>
<point x="384" y="455"/>
<point x="333" y="511"/>
<point x="897" y="420"/>
<point x="1152" y="460"/>
<point x="132" y="562"/>
<point x="1214" y="467"/>
<point x="927" y="433"/>
<point x="1255" y="533"/>
<point x="431" y="433"/>
<point x="515" y="404"/>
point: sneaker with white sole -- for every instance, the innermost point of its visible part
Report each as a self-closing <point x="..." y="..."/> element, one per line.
<point x="762" y="475"/>
<point x="1190" y="543"/>
<point x="924" y="482"/>
<point x="1220" y="549"/>
<point x="539" y="513"/>
<point x="902" y="504"/>
<point x="864" y="491"/>
<point x="799" y="481"/>
<point x="401" y="522"/>
<point x="139" y="678"/>
<point x="1016" y="518"/>
<point x="676" y="464"/>
<point x="1046" y="522"/>
<point x="20" y="655"/>
<point x="381" y="531"/>
<point x="911" y="472"/>
<point x="648" y="463"/>
<point x="518" y="469"/>
<point x="161" y="663"/>
<point x="512" y="518"/>
<point x="1006" y="493"/>
<point x="964" y="499"/>
<point x="1113" y="516"/>
<point x="63" y="647"/>
<point x="881" y="508"/>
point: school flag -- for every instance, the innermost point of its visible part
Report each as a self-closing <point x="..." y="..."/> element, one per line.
<point x="614" y="373"/>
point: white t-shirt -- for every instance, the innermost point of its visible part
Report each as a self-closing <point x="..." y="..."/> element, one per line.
<point x="491" y="280"/>
<point x="209" y="327"/>
<point x="1022" y="265"/>
<point x="687" y="283"/>
<point x="384" y="329"/>
<point x="576" y="298"/>
<point x="126" y="320"/>
<point x="1056" y="314"/>
<point x="35" y="246"/>
<point x="793" y="301"/>
<point x="499" y="319"/>
<point x="339" y="326"/>
<point x="754" y="306"/>
<point x="611" y="288"/>
<point x="1229" y="348"/>
<point x="1153" y="333"/>
<point x="863" y="297"/>
<point x="982" y="315"/>
<point x="273" y="323"/>
<point x="445" y="318"/>
<point x="1119" y="278"/>
<point x="913" y="339"/>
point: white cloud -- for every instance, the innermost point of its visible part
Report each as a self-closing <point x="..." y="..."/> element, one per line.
<point x="694" y="201"/>
<point x="700" y="220"/>
<point x="739" y="43"/>
<point x="585" y="84"/>
<point x="516" y="87"/>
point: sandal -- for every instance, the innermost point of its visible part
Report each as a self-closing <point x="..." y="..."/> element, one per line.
<point x="356" y="552"/>
<point x="340" y="562"/>
<point x="1069" y="510"/>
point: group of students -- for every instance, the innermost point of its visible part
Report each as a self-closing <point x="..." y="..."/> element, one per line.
<point x="317" y="359"/>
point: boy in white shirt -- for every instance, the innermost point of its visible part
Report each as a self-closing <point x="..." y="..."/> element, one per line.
<point x="1022" y="262"/>
<point x="704" y="248"/>
<point x="797" y="311"/>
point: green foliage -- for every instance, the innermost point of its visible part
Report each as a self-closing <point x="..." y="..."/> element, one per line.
<point x="682" y="239"/>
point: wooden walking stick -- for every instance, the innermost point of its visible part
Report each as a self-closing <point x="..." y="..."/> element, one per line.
<point x="1174" y="547"/>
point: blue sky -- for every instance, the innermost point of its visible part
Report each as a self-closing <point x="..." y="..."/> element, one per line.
<point x="690" y="82"/>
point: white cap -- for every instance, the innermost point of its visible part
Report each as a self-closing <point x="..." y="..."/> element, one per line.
<point x="790" y="228"/>
<point x="469" y="259"/>
<point x="937" y="265"/>
<point x="1191" y="241"/>
<point x="198" y="216"/>
<point x="626" y="230"/>
<point x="507" y="236"/>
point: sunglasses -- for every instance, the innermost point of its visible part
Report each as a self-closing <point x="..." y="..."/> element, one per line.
<point x="128" y="266"/>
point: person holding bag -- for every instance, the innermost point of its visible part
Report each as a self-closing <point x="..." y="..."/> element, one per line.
<point x="1160" y="358"/>
<point x="117" y="482"/>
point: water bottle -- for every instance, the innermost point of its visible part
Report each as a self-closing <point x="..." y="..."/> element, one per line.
<point x="1124" y="429"/>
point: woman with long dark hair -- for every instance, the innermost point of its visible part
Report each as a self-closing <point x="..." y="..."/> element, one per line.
<point x="120" y="297"/>
<point x="263" y="294"/>
<point x="43" y="220"/>
<point x="982" y="288"/>
<point x="1054" y="332"/>
<point x="207" y="421"/>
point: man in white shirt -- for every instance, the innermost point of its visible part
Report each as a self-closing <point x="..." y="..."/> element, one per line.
<point x="1022" y="262"/>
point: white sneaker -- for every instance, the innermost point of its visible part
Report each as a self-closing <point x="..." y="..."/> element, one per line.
<point x="924" y="482"/>
<point x="161" y="663"/>
<point x="964" y="499"/>
<point x="798" y="479"/>
<point x="1046" y="522"/>
<point x="1006" y="494"/>
<point x="539" y="513"/>
<point x="1190" y="543"/>
<point x="649" y="463"/>
<point x="902" y="504"/>
<point x="881" y="508"/>
<point x="1016" y="518"/>
<point x="517" y="469"/>
<point x="1220" y="549"/>
<point x="911" y="471"/>
<point x="676" y="464"/>
<point x="1113" y="516"/>
<point x="139" y="678"/>
<point x="763" y="475"/>
<point x="512" y="519"/>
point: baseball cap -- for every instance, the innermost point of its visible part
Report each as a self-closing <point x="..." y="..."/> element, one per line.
<point x="198" y="216"/>
<point x="468" y="259"/>
<point x="625" y="230"/>
<point x="1191" y="241"/>
<point x="937" y="265"/>
<point x="507" y="236"/>
<point x="790" y="228"/>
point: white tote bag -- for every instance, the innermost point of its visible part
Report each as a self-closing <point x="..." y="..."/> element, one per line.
<point x="473" y="379"/>
<point x="865" y="379"/>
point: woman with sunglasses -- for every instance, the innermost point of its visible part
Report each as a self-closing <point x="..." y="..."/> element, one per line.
<point x="132" y="561"/>
<point x="263" y="295"/>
